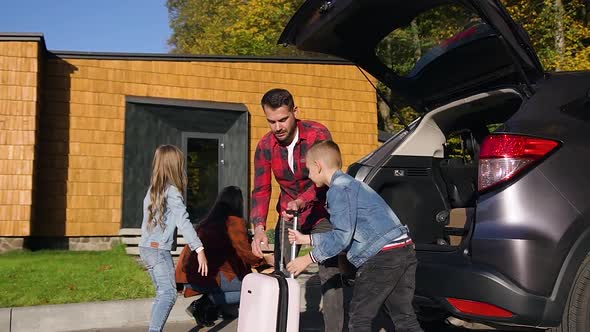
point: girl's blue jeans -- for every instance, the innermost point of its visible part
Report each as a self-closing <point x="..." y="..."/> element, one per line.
<point x="161" y="269"/>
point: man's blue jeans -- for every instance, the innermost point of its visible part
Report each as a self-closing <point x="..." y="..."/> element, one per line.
<point x="161" y="268"/>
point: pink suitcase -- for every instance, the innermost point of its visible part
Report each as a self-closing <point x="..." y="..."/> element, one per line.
<point x="270" y="302"/>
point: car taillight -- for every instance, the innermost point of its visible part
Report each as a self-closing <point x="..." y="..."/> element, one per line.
<point x="504" y="156"/>
<point x="479" y="308"/>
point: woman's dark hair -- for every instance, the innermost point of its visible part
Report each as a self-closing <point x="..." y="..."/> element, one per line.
<point x="212" y="230"/>
<point x="228" y="203"/>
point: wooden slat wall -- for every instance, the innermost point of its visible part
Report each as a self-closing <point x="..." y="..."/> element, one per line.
<point x="88" y="119"/>
<point x="19" y="80"/>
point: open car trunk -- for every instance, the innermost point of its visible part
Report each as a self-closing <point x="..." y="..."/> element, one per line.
<point x="428" y="52"/>
<point x="429" y="175"/>
<point x="465" y="65"/>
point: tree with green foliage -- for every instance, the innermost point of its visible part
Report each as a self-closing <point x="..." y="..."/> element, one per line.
<point x="559" y="31"/>
<point x="230" y="27"/>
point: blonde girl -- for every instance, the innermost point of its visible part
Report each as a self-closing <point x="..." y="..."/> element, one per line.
<point x="164" y="211"/>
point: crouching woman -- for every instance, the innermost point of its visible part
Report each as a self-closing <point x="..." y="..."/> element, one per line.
<point x="229" y="255"/>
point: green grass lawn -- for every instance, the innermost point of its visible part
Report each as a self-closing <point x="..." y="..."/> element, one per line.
<point x="61" y="276"/>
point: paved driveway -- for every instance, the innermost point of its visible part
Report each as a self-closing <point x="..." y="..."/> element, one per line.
<point x="311" y="318"/>
<point x="232" y="326"/>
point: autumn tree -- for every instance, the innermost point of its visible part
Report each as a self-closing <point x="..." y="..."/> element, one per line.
<point x="559" y="31"/>
<point x="230" y="27"/>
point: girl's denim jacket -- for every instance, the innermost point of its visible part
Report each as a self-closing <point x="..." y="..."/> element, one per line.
<point x="362" y="223"/>
<point x="175" y="216"/>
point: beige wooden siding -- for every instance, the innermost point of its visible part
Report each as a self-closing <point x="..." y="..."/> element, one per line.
<point x="87" y="101"/>
<point x="19" y="77"/>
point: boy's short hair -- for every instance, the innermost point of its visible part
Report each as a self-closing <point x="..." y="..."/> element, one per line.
<point x="327" y="151"/>
<point x="276" y="98"/>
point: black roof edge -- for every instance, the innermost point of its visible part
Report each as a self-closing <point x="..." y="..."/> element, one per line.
<point x="39" y="37"/>
<point x="203" y="104"/>
<point x="24" y="36"/>
<point x="191" y="57"/>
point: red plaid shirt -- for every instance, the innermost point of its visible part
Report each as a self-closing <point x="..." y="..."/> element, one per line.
<point x="270" y="157"/>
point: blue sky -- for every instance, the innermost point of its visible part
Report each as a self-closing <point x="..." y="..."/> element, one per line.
<point x="132" y="26"/>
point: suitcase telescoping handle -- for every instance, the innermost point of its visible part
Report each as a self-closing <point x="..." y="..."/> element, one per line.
<point x="295" y="215"/>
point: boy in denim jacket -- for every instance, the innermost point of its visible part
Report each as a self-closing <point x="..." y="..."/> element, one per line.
<point x="376" y="243"/>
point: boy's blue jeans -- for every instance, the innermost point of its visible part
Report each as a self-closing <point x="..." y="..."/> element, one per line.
<point x="161" y="269"/>
<point x="386" y="279"/>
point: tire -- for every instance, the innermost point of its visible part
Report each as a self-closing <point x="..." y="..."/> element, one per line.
<point x="576" y="315"/>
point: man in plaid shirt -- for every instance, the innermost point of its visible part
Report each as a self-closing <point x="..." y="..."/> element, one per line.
<point x="282" y="152"/>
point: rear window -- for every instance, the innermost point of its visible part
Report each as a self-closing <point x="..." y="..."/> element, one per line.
<point x="430" y="36"/>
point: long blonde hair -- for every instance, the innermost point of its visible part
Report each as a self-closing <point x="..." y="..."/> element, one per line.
<point x="167" y="169"/>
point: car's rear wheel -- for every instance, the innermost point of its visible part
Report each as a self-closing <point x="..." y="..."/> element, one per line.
<point x="576" y="316"/>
